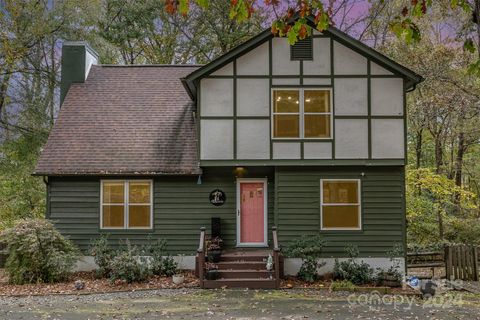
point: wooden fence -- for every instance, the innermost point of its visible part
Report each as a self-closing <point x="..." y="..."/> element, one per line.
<point x="460" y="261"/>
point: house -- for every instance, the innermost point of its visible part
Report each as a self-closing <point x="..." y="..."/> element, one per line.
<point x="309" y="138"/>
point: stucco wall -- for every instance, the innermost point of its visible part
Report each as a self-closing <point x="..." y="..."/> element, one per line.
<point x="367" y="104"/>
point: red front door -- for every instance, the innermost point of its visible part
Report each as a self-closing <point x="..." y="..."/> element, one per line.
<point x="252" y="213"/>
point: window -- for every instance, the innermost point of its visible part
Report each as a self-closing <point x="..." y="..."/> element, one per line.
<point x="340" y="205"/>
<point x="126" y="204"/>
<point x="302" y="113"/>
<point x="302" y="50"/>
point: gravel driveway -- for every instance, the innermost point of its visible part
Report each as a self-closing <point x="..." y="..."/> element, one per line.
<point x="235" y="304"/>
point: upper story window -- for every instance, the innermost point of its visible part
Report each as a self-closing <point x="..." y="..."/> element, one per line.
<point x="302" y="113"/>
<point x="126" y="204"/>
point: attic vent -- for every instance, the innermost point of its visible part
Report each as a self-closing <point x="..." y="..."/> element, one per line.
<point x="302" y="50"/>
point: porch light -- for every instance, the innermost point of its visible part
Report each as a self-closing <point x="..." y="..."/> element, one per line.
<point x="239" y="171"/>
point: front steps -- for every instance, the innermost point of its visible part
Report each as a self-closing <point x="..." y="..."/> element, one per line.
<point x="243" y="269"/>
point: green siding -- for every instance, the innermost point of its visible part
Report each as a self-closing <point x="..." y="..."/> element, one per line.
<point x="181" y="207"/>
<point x="383" y="214"/>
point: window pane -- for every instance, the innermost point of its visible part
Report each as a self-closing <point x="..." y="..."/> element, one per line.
<point x="139" y="192"/>
<point x="286" y="126"/>
<point x="113" y="192"/>
<point x="340" y="217"/>
<point x="317" y="100"/>
<point x="113" y="216"/>
<point x="286" y="101"/>
<point x="139" y="216"/>
<point x="340" y="192"/>
<point x="317" y="126"/>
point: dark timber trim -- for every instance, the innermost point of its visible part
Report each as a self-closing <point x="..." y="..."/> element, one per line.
<point x="300" y="162"/>
<point x="191" y="81"/>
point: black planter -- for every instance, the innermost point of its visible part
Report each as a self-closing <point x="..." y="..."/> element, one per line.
<point x="214" y="255"/>
<point x="212" y="275"/>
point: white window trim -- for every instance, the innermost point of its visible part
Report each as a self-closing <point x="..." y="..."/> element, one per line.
<point x="126" y="185"/>
<point x="359" y="204"/>
<point x="301" y="113"/>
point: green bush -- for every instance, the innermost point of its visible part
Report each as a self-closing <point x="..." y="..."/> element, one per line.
<point x="343" y="284"/>
<point x="37" y="252"/>
<point x="352" y="270"/>
<point x="169" y="267"/>
<point x="129" y="265"/>
<point x="132" y="263"/>
<point x="102" y="255"/>
<point x="156" y="251"/>
<point x="309" y="249"/>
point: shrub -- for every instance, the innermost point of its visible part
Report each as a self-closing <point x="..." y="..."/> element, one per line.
<point x="352" y="270"/>
<point x="343" y="284"/>
<point x="129" y="265"/>
<point x="169" y="267"/>
<point x="309" y="249"/>
<point x="156" y="251"/>
<point x="102" y="255"/>
<point x="37" y="252"/>
<point x="395" y="269"/>
<point x="160" y="263"/>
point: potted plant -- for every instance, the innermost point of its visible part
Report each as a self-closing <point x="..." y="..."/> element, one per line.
<point x="178" y="277"/>
<point x="214" y="249"/>
<point x="392" y="277"/>
<point x="212" y="271"/>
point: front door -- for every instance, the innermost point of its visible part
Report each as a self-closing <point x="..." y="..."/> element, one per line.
<point x="252" y="212"/>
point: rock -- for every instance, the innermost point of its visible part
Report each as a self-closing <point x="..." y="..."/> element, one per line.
<point x="79" y="285"/>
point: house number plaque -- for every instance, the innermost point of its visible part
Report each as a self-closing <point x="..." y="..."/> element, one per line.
<point x="217" y="197"/>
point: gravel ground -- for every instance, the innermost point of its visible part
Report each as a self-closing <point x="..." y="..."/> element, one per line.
<point x="236" y="304"/>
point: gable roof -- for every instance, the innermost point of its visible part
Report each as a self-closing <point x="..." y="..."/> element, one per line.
<point x="124" y="120"/>
<point x="412" y="78"/>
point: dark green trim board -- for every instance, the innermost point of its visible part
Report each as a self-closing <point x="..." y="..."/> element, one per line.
<point x="181" y="207"/>
<point x="235" y="109"/>
<point x="369" y="108"/>
<point x="300" y="162"/>
<point x="270" y="98"/>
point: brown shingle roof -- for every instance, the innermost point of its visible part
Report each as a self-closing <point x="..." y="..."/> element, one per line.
<point x="129" y="120"/>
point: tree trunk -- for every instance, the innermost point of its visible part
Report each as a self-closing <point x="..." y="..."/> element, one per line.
<point x="418" y="148"/>
<point x="441" y="231"/>
<point x="458" y="168"/>
<point x="438" y="155"/>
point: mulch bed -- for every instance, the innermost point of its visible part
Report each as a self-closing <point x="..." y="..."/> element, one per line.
<point x="92" y="285"/>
